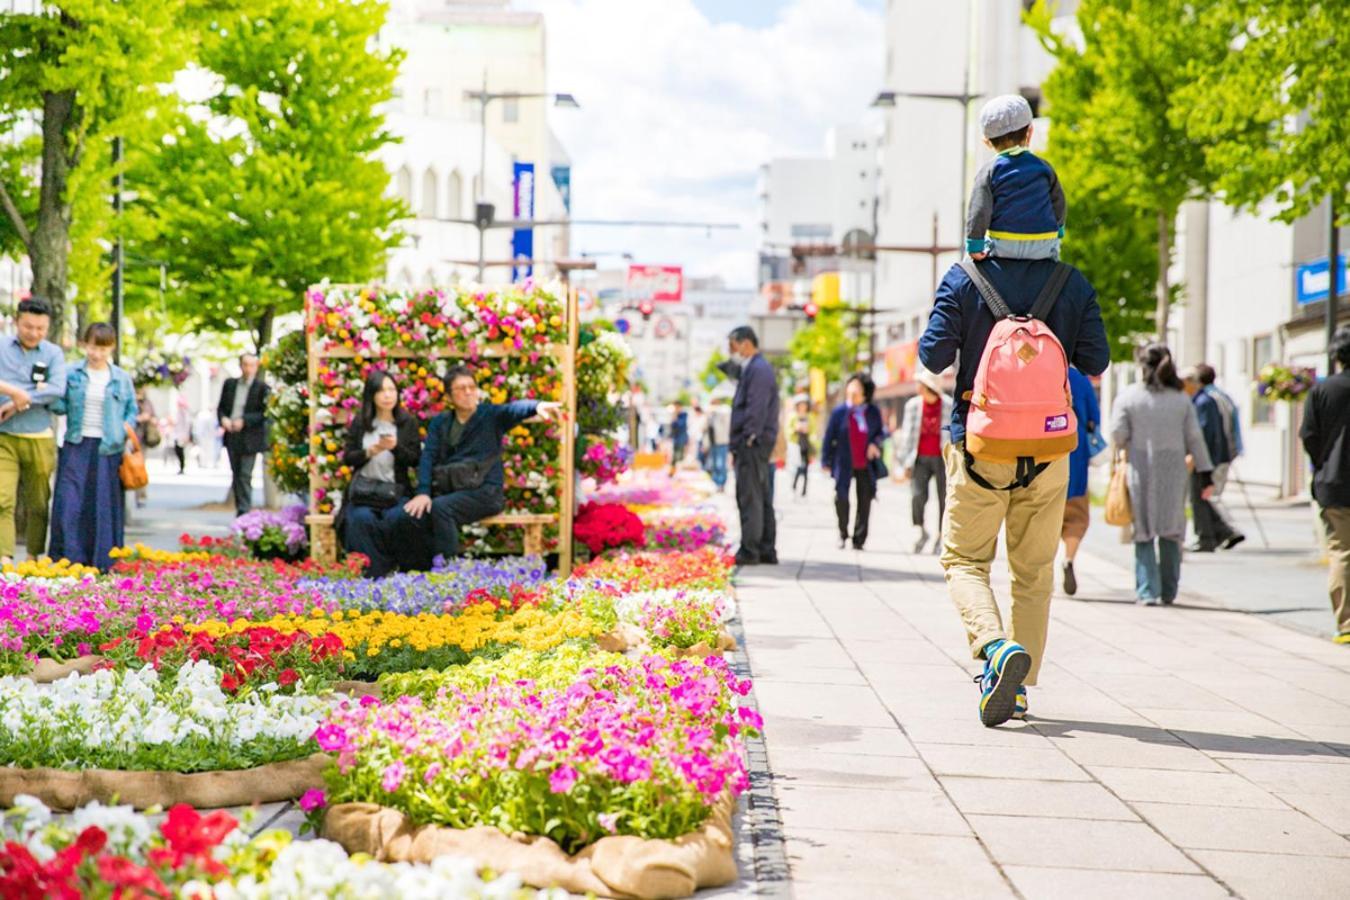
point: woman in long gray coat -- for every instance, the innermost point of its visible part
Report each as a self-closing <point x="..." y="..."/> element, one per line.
<point x="1155" y="423"/>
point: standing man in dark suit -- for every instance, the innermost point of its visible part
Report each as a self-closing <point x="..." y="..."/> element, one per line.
<point x="754" y="428"/>
<point x="242" y="413"/>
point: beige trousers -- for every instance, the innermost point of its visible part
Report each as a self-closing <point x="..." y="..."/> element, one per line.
<point x="1336" y="519"/>
<point x="975" y="515"/>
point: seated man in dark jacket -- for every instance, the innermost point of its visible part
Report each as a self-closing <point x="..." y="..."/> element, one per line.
<point x="469" y="434"/>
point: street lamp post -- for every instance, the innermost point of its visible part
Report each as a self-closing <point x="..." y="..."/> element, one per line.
<point x="483" y="217"/>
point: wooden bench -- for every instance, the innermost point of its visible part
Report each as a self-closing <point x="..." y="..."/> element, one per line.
<point x="323" y="543"/>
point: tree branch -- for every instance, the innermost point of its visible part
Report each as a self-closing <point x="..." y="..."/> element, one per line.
<point x="16" y="219"/>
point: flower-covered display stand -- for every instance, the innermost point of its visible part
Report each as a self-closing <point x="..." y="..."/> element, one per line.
<point x="520" y="341"/>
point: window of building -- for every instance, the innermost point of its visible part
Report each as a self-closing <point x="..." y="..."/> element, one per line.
<point x="510" y="110"/>
<point x="430" y="188"/>
<point x="1263" y="351"/>
<point x="404" y="184"/>
<point x="454" y="196"/>
<point x="810" y="231"/>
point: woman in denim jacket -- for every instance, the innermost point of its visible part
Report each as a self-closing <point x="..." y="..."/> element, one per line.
<point x="100" y="409"/>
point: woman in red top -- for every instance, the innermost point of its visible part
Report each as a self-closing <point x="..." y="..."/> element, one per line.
<point x="852" y="454"/>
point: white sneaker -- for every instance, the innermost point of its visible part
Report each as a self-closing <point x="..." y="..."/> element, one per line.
<point x="923" y="539"/>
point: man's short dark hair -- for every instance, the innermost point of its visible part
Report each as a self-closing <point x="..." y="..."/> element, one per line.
<point x="1011" y="139"/>
<point x="457" y="372"/>
<point x="1340" y="346"/>
<point x="35" y="306"/>
<point x="1205" y="372"/>
<point x="744" y="333"/>
<point x="244" y="356"/>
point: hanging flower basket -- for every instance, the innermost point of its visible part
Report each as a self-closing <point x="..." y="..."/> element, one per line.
<point x="162" y="370"/>
<point x="1277" y="382"/>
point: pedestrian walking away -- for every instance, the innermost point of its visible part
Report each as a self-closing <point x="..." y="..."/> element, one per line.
<point x="1155" y="423"/>
<point x="679" y="434"/>
<point x="182" y="431"/>
<point x="1007" y="463"/>
<point x="851" y="453"/>
<point x="1326" y="437"/>
<point x="924" y="434"/>
<point x="1218" y="419"/>
<point x="719" y="441"/>
<point x="1077" y="509"/>
<point x="242" y="414"/>
<point x="754" y="431"/>
<point x="32" y="377"/>
<point x="99" y="404"/>
<point x="801" y="432"/>
<point x="460" y="478"/>
<point x="147" y="432"/>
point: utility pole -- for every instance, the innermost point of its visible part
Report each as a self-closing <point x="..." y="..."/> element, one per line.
<point x="119" y="260"/>
<point x="1333" y="292"/>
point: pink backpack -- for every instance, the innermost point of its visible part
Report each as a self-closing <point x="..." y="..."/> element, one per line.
<point x="1021" y="410"/>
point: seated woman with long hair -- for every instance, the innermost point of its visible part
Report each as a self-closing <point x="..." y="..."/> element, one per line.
<point x="382" y="447"/>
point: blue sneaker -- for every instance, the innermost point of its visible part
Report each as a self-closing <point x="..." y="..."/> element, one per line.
<point x="1006" y="667"/>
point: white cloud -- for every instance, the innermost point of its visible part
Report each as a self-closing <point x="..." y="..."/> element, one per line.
<point x="678" y="114"/>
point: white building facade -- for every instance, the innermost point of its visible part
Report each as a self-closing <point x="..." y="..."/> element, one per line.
<point x="452" y="47"/>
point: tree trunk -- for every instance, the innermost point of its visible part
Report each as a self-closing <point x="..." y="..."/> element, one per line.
<point x="264" y="333"/>
<point x="1164" y="263"/>
<point x="51" y="238"/>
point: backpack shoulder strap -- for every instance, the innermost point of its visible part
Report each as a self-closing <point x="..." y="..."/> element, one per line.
<point x="1054" y="286"/>
<point x="991" y="296"/>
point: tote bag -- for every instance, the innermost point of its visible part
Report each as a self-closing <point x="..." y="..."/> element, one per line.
<point x="1118" y="508"/>
<point x="132" y="470"/>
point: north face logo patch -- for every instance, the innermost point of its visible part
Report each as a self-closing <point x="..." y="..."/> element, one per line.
<point x="1057" y="423"/>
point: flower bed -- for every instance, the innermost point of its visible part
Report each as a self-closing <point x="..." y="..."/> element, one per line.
<point x="113" y="851"/>
<point x="273" y="535"/>
<point x="377" y="642"/>
<point x="137" y="720"/>
<point x="683" y="530"/>
<point x="605" y="526"/>
<point x="450" y="584"/>
<point x="643" y="748"/>
<point x="707" y="568"/>
<point x="680" y="618"/>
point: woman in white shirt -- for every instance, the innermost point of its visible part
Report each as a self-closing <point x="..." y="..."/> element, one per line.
<point x="100" y="409"/>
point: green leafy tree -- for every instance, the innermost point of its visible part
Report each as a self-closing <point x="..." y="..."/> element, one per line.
<point x="827" y="344"/>
<point x="1273" y="116"/>
<point x="711" y="376"/>
<point x="73" y="76"/>
<point x="1113" y="96"/>
<point x="269" y="184"/>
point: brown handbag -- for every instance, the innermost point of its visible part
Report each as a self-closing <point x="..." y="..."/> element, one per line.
<point x="1119" y="510"/>
<point x="132" y="470"/>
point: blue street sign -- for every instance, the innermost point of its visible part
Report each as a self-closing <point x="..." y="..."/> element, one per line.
<point x="1312" y="281"/>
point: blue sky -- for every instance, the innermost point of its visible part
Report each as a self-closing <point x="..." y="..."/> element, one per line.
<point x="683" y="100"/>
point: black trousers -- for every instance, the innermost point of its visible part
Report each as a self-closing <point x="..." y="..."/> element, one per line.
<point x="865" y="490"/>
<point x="926" y="468"/>
<point x="241" y="465"/>
<point x="450" y="512"/>
<point x="754" y="501"/>
<point x="1211" y="528"/>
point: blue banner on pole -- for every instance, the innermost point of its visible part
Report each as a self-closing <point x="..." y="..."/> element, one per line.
<point x="522" y="239"/>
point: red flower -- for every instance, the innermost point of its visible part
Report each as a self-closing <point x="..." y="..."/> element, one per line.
<point x="130" y="880"/>
<point x="92" y="840"/>
<point x="191" y="838"/>
<point x="288" y="677"/>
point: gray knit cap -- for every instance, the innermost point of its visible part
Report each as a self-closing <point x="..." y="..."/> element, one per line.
<point x="1004" y="115"/>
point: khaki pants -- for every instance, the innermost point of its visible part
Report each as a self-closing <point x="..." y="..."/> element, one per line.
<point x="970" y="539"/>
<point x="35" y="458"/>
<point x="1336" y="520"/>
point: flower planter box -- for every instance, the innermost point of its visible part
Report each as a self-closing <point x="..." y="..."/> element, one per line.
<point x="621" y="866"/>
<point x="71" y="789"/>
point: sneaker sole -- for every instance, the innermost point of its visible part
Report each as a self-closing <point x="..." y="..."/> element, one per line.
<point x="1070" y="582"/>
<point x="1001" y="703"/>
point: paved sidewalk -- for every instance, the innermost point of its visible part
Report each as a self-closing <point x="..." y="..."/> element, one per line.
<point x="1187" y="751"/>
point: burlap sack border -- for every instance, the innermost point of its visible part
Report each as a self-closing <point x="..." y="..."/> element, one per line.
<point x="620" y="866"/>
<point x="67" y="789"/>
<point x="627" y="638"/>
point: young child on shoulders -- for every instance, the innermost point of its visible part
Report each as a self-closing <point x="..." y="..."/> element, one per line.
<point x="1016" y="206"/>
